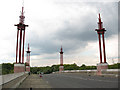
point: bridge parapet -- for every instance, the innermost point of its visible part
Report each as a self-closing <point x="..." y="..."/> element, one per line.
<point x="6" y="79"/>
<point x="107" y="72"/>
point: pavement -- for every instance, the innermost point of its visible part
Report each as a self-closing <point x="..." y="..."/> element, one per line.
<point x="34" y="81"/>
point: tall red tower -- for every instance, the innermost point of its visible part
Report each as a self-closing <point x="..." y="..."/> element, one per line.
<point x="28" y="59"/>
<point x="101" y="32"/>
<point x="18" y="66"/>
<point x="61" y="68"/>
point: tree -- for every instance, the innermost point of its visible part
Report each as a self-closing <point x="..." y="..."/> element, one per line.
<point x="7" y="68"/>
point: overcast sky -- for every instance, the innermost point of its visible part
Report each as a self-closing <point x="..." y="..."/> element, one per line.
<point x="52" y="23"/>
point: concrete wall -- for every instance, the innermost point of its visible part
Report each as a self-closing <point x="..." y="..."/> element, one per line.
<point x="108" y="72"/>
<point x="5" y="79"/>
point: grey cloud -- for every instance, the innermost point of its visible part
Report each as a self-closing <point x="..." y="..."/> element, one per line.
<point x="75" y="37"/>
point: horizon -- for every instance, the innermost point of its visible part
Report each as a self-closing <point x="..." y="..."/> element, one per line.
<point x="54" y="23"/>
<point x="63" y="64"/>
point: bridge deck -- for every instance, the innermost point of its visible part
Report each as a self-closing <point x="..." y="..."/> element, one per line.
<point x="34" y="81"/>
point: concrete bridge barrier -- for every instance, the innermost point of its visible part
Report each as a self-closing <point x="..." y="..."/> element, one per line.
<point x="107" y="72"/>
<point x="111" y="72"/>
<point x="12" y="80"/>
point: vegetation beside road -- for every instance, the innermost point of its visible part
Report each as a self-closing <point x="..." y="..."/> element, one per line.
<point x="7" y="68"/>
<point x="54" y="68"/>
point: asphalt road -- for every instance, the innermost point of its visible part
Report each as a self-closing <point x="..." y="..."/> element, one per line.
<point x="76" y="80"/>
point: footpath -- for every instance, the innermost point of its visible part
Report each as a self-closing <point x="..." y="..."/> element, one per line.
<point x="34" y="81"/>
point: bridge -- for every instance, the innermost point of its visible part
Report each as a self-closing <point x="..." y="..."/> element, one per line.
<point x="102" y="77"/>
<point x="66" y="79"/>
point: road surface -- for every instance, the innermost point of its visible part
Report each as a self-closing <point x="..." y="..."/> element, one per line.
<point x="76" y="80"/>
<point x="69" y="80"/>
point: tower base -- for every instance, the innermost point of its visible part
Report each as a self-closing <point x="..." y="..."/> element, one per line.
<point x="27" y="68"/>
<point x="19" y="67"/>
<point x="101" y="67"/>
<point x="61" y="68"/>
